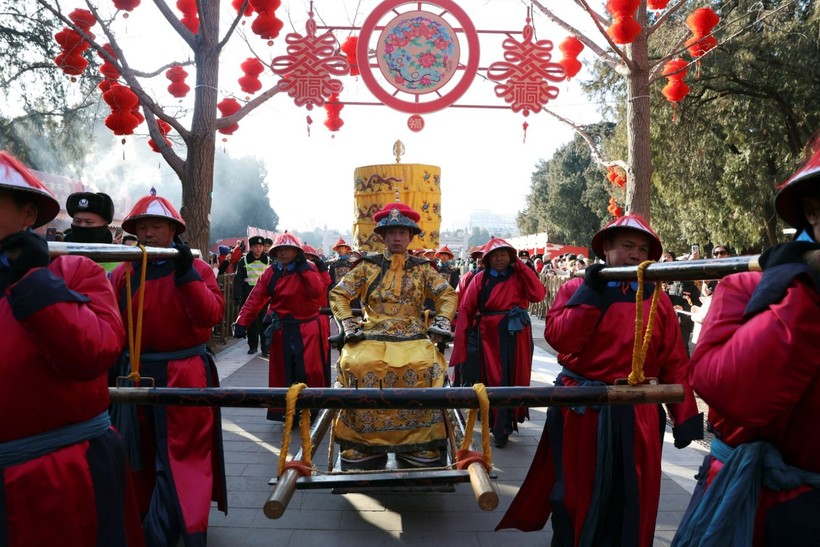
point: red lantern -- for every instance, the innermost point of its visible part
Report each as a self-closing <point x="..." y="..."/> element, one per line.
<point x="190" y="16"/>
<point x="333" y="107"/>
<point x="164" y="128"/>
<point x="229" y="107"/>
<point x="349" y="49"/>
<point x="701" y="22"/>
<point x="71" y="64"/>
<point x="83" y="19"/>
<point x="676" y="89"/>
<point x="71" y="60"/>
<point x="656" y="5"/>
<point x="178" y="88"/>
<point x="613" y="208"/>
<point x="615" y="177"/>
<point x="252" y="67"/>
<point x="120" y="97"/>
<point x="126" y="5"/>
<point x="137" y="114"/>
<point x="266" y="25"/>
<point x="625" y="28"/>
<point x="121" y="122"/>
<point x="69" y="39"/>
<point x="238" y="4"/>
<point x="107" y="68"/>
<point x="571" y="47"/>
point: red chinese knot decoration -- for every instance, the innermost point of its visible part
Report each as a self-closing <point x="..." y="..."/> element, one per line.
<point x="524" y="74"/>
<point x="571" y="47"/>
<point x="625" y="28"/>
<point x="308" y="67"/>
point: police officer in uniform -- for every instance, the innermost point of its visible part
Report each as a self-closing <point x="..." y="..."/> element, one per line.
<point x="248" y="271"/>
<point x="91" y="213"/>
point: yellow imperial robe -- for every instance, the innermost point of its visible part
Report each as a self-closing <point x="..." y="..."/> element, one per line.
<point x="396" y="351"/>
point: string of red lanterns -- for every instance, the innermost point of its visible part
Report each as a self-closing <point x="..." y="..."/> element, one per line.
<point x="123" y="103"/>
<point x="71" y="60"/>
<point x="675" y="89"/>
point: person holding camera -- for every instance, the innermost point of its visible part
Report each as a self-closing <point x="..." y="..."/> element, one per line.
<point x="291" y="290"/>
<point x="597" y="470"/>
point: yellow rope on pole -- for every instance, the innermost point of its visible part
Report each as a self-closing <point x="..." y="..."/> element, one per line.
<point x="484" y="408"/>
<point x="642" y="337"/>
<point x="135" y="342"/>
<point x="290" y="410"/>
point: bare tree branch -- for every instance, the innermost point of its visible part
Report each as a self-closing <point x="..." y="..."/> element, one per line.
<point x="666" y="15"/>
<point x="621" y="53"/>
<point x="239" y="15"/>
<point x="594" y="14"/>
<point x="600" y="52"/>
<point x="593" y="147"/>
<point x="176" y="24"/>
<point x="247" y="108"/>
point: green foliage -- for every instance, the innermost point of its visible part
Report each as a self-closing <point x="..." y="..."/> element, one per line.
<point x="742" y="129"/>
<point x="569" y="194"/>
<point x="240" y="197"/>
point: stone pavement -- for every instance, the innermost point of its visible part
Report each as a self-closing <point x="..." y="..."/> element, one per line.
<point x="318" y="517"/>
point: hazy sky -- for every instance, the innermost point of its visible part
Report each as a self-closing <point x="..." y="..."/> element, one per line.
<point x="484" y="163"/>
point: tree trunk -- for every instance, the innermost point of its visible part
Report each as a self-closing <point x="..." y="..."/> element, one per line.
<point x="638" y="107"/>
<point x="198" y="178"/>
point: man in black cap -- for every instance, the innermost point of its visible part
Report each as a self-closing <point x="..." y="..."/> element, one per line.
<point x="248" y="271"/>
<point x="91" y="213"/>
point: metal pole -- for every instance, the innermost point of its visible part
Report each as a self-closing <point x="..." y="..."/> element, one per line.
<point x="103" y="252"/>
<point x="457" y="397"/>
<point x="684" y="270"/>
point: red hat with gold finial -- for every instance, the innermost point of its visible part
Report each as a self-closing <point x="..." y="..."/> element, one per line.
<point x="286" y="240"/>
<point x="444" y="250"/>
<point x="152" y="206"/>
<point x="396" y="214"/>
<point x="495" y="244"/>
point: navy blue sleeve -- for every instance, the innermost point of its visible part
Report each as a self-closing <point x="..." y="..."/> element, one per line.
<point x="585" y="295"/>
<point x="38" y="290"/>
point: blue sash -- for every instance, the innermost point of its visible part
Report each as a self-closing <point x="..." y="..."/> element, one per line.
<point x="28" y="448"/>
<point x="725" y="514"/>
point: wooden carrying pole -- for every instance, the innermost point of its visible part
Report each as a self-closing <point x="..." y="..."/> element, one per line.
<point x="395" y="398"/>
<point x="102" y="252"/>
<point x="286" y="485"/>
<point x="683" y="270"/>
<point x="483" y="490"/>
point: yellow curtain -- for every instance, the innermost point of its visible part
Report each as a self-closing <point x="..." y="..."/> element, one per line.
<point x="419" y="186"/>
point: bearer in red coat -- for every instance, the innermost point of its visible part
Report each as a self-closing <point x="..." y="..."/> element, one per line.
<point x="181" y="469"/>
<point x="292" y="290"/>
<point x="494" y="308"/>
<point x="63" y="474"/>
<point x="757" y="365"/>
<point x="598" y="469"/>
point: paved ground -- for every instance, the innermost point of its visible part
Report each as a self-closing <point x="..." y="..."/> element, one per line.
<point x="318" y="517"/>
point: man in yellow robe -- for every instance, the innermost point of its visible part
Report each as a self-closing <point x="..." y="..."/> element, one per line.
<point x="392" y="347"/>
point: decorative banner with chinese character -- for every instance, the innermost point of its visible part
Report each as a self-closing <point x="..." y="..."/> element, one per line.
<point x="418" y="185"/>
